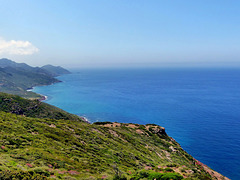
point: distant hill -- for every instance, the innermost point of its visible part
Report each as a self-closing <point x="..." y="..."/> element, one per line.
<point x="6" y="63"/>
<point x="17" y="78"/>
<point x="55" y="70"/>
<point x="33" y="108"/>
<point x="9" y="63"/>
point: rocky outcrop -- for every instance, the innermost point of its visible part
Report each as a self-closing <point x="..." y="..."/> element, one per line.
<point x="155" y="129"/>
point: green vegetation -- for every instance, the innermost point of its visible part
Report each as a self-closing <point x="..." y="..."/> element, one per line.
<point x="17" y="78"/>
<point x="40" y="141"/>
<point x="17" y="81"/>
<point x="152" y="175"/>
<point x="32" y="108"/>
<point x="43" y="148"/>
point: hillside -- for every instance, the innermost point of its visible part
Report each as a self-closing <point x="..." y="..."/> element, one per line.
<point x="43" y="148"/>
<point x="17" y="81"/>
<point x="17" y="78"/>
<point x="55" y="70"/>
<point x="65" y="148"/>
<point x="33" y="108"/>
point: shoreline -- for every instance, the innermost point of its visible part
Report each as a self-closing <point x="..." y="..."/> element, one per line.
<point x="85" y="119"/>
<point x="42" y="98"/>
<point x="212" y="172"/>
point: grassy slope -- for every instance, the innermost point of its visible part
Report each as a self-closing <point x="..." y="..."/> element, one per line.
<point x="56" y="144"/>
<point x="64" y="148"/>
<point x="32" y="108"/>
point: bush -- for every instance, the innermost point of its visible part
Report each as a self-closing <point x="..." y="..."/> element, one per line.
<point x="171" y="176"/>
<point x="172" y="165"/>
<point x="140" y="175"/>
<point x="102" y="123"/>
<point x="156" y="176"/>
<point x="168" y="169"/>
<point x="116" y="177"/>
<point x="8" y="175"/>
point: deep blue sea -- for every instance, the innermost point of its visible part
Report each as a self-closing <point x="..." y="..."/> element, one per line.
<point x="200" y="108"/>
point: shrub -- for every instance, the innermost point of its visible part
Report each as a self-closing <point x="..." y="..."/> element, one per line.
<point x="116" y="177"/>
<point x="171" y="176"/>
<point x="140" y="175"/>
<point x="172" y="165"/>
<point x="7" y="175"/>
<point x="151" y="175"/>
<point x="155" y="175"/>
<point x="168" y="169"/>
<point x="102" y="123"/>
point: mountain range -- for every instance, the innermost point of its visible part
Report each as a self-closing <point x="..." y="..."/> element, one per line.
<point x="17" y="78"/>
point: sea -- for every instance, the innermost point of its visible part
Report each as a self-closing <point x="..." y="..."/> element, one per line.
<point x="199" y="107"/>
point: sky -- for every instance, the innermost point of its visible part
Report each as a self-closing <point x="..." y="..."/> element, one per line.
<point x="121" y="33"/>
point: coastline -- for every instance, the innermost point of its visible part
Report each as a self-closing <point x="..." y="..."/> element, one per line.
<point x="43" y="97"/>
<point x="212" y="173"/>
<point x="85" y="119"/>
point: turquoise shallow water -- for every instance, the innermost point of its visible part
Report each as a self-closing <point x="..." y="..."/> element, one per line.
<point x="200" y="108"/>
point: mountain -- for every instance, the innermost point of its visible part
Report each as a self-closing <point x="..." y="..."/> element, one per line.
<point x="46" y="148"/>
<point x="48" y="70"/>
<point x="55" y="70"/>
<point x="17" y="78"/>
<point x="4" y="63"/>
<point x="9" y="63"/>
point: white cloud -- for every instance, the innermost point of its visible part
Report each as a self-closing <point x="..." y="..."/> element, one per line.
<point x="13" y="47"/>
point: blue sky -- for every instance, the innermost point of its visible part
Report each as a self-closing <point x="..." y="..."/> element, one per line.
<point x="92" y="33"/>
